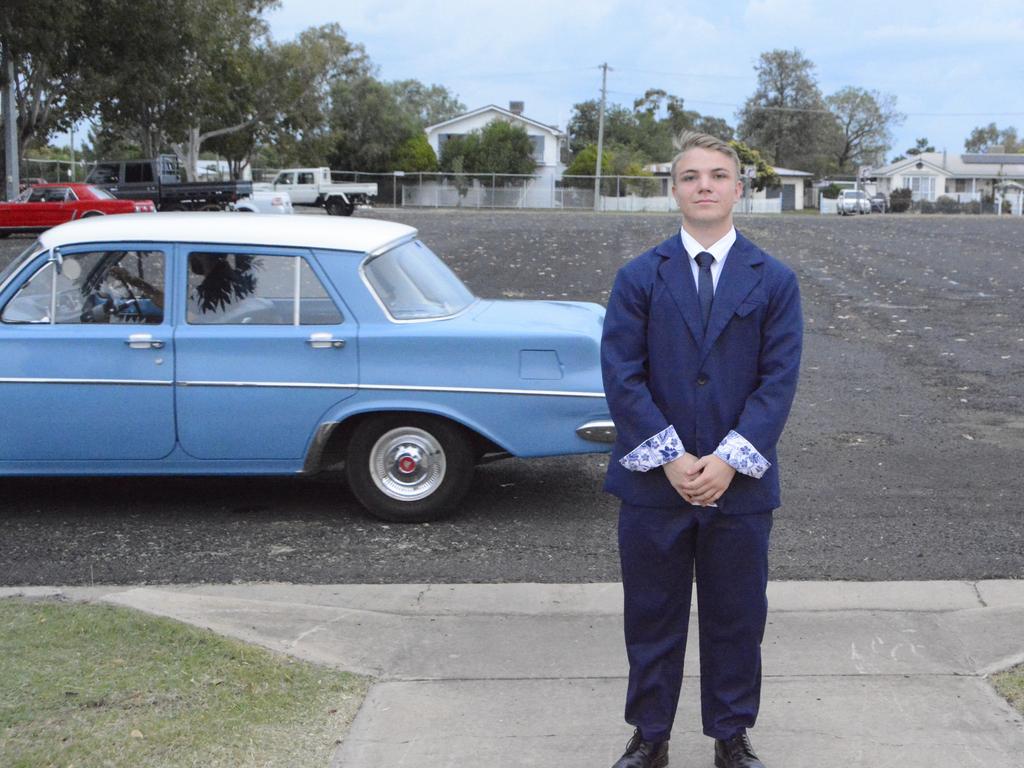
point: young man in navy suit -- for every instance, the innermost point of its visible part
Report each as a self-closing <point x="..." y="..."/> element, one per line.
<point x="700" y="354"/>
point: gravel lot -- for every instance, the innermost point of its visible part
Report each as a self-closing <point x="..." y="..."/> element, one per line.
<point x="901" y="461"/>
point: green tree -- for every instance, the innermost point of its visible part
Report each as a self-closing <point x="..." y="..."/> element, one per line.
<point x="864" y="122"/>
<point x="48" y="43"/>
<point x="416" y="155"/>
<point x="367" y="125"/>
<point x="428" y="105"/>
<point x="985" y="138"/>
<point x="585" y="162"/>
<point x="787" y="116"/>
<point x="764" y="174"/>
<point x="178" y="73"/>
<point x="921" y="145"/>
<point x="500" y="147"/>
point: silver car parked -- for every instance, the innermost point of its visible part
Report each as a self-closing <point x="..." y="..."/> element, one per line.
<point x="852" y="201"/>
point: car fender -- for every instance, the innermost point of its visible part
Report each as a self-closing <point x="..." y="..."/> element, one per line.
<point x="370" y="403"/>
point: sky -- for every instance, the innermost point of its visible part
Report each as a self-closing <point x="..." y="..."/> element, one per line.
<point x="951" y="65"/>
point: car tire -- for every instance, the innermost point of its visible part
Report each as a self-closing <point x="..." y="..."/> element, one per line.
<point x="409" y="468"/>
<point x="338" y="206"/>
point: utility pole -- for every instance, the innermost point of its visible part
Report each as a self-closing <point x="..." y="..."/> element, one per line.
<point x="10" y="126"/>
<point x="600" y="137"/>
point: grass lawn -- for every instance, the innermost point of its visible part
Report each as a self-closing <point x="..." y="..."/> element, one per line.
<point x="96" y="685"/>
<point x="1010" y="685"/>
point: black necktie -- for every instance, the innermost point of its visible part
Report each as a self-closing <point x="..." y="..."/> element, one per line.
<point x="705" y="286"/>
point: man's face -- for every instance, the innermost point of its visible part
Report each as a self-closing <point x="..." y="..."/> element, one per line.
<point x="705" y="187"/>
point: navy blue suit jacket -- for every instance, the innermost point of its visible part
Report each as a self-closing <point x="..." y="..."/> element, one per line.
<point x="661" y="369"/>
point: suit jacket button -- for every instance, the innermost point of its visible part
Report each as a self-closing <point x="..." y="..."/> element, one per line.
<point x="702" y="380"/>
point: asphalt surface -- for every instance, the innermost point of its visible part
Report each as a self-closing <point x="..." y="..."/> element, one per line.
<point x="902" y="459"/>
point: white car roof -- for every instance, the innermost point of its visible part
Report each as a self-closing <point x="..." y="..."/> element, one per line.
<point x="297" y="231"/>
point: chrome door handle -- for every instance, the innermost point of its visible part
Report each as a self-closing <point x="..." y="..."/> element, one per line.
<point x="143" y="341"/>
<point x="324" y="341"/>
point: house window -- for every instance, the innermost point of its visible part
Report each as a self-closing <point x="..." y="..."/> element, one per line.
<point x="923" y="187"/>
<point x="538" y="148"/>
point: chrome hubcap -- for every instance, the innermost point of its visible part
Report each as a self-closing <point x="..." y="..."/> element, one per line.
<point x="407" y="464"/>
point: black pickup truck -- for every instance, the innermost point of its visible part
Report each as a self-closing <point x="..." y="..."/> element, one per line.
<point x="159" y="179"/>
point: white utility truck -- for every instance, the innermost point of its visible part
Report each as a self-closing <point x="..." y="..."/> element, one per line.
<point x="314" y="187"/>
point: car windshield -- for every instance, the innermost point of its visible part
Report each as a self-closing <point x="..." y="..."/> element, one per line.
<point x="100" y="194"/>
<point x="15" y="265"/>
<point x="414" y="284"/>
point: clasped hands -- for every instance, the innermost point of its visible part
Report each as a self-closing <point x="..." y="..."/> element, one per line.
<point x="699" y="481"/>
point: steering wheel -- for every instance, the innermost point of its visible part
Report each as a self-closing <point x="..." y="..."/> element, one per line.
<point x="97" y="308"/>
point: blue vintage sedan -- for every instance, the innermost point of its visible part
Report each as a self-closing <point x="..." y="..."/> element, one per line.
<point x="221" y="344"/>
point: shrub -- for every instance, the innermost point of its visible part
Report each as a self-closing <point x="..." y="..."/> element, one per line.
<point x="899" y="200"/>
<point x="972" y="207"/>
<point x="927" y="206"/>
<point x="831" y="192"/>
<point x="946" y="204"/>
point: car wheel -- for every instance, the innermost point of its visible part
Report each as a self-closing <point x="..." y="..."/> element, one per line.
<point x="335" y="206"/>
<point x="409" y="468"/>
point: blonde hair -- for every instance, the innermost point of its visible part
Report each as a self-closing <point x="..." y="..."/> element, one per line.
<point x="688" y="140"/>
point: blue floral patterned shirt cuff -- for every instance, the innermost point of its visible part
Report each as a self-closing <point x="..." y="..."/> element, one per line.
<point x="739" y="454"/>
<point x="655" y="451"/>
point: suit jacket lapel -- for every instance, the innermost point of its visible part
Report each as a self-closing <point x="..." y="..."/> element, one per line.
<point x="738" y="279"/>
<point x="675" y="271"/>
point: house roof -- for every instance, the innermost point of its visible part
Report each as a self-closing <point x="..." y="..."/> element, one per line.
<point x="501" y="111"/>
<point x="790" y="172"/>
<point x="958" y="165"/>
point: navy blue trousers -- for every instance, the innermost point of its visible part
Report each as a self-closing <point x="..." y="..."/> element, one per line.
<point x="661" y="550"/>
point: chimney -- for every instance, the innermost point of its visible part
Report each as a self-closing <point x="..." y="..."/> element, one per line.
<point x="516" y="107"/>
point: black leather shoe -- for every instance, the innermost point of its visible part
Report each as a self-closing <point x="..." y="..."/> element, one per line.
<point x="736" y="753"/>
<point x="643" y="754"/>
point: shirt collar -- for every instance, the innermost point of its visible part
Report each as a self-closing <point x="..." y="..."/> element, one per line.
<point x="719" y="249"/>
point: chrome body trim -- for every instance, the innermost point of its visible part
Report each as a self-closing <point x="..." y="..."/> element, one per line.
<point x="136" y="382"/>
<point x="602" y="431"/>
<point x="394" y="388"/>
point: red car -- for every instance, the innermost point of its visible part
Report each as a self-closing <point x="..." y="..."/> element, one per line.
<point x="42" y="206"/>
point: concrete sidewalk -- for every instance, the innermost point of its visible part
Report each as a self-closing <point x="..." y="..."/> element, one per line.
<point x="869" y="674"/>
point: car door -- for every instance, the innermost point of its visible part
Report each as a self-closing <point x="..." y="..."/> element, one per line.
<point x="43" y="209"/>
<point x="305" y="189"/>
<point x="86" y="357"/>
<point x="263" y="352"/>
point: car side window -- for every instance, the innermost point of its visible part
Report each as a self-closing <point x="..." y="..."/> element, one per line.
<point x="256" y="289"/>
<point x="307" y="178"/>
<point x="105" y="173"/>
<point x="94" y="287"/>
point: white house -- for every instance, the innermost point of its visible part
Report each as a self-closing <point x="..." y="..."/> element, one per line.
<point x="964" y="177"/>
<point x="547" y="140"/>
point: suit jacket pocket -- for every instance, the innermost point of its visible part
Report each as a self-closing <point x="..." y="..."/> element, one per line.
<point x="748" y="306"/>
